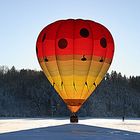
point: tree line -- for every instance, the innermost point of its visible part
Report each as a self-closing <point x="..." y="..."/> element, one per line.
<point x="28" y="93"/>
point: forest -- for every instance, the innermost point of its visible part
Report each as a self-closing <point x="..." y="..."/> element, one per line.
<point x="28" y="93"/>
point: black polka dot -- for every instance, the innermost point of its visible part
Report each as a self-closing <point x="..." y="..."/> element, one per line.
<point x="103" y="42"/>
<point x="44" y="37"/>
<point x="101" y="60"/>
<point x="53" y="83"/>
<point x="94" y="84"/>
<point x="83" y="58"/>
<point x="84" y="32"/>
<point x="36" y="50"/>
<point x="46" y="59"/>
<point x="62" y="43"/>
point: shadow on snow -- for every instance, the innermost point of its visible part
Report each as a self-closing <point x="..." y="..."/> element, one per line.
<point x="71" y="132"/>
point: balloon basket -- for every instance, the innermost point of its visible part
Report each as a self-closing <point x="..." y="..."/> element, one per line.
<point x="74" y="118"/>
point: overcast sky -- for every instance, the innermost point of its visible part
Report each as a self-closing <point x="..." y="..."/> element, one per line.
<point x="22" y="20"/>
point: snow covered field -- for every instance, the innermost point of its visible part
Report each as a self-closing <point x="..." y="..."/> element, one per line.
<point x="61" y="129"/>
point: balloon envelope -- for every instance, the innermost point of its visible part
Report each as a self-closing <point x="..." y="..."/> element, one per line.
<point x="75" y="55"/>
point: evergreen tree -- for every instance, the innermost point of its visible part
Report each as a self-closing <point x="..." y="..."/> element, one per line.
<point x="28" y="93"/>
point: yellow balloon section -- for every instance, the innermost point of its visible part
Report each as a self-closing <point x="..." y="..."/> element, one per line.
<point x="75" y="55"/>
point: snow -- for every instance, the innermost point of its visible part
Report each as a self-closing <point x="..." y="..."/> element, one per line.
<point x="62" y="129"/>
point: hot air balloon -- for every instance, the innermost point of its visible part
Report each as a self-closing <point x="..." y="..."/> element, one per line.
<point x="75" y="55"/>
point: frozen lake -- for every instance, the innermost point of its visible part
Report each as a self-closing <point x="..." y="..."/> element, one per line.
<point x="61" y="129"/>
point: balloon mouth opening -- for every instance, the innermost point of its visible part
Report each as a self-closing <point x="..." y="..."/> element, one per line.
<point x="74" y="104"/>
<point x="73" y="109"/>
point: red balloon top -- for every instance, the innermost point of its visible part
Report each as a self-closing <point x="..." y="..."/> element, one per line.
<point x="75" y="37"/>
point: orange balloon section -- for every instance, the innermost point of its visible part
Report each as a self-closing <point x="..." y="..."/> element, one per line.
<point x="75" y="55"/>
